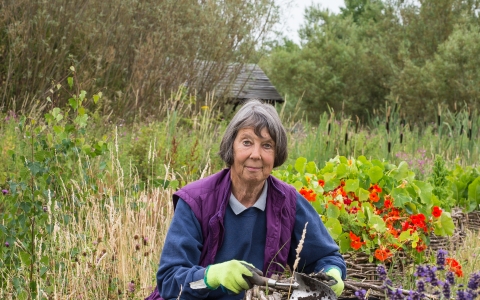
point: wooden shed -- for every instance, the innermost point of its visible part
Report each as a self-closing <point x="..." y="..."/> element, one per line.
<point x="251" y="82"/>
<point x="233" y="82"/>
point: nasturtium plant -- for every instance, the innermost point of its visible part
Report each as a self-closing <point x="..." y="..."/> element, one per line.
<point x="371" y="206"/>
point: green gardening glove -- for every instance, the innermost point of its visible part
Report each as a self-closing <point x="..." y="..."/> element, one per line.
<point x="230" y="274"/>
<point x="337" y="275"/>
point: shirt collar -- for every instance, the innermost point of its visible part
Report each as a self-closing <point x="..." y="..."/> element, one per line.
<point x="261" y="202"/>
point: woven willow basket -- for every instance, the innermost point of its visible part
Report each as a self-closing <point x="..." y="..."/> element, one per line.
<point x="362" y="274"/>
<point x="472" y="221"/>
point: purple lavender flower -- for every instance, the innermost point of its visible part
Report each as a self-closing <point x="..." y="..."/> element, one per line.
<point x="474" y="282"/>
<point x="441" y="255"/>
<point x="360" y="294"/>
<point x="446" y="290"/>
<point x="431" y="276"/>
<point x="422" y="271"/>
<point x="450" y="278"/>
<point x="4" y="192"/>
<point x="382" y="273"/>
<point x="395" y="294"/>
<point x="420" y="286"/>
<point x="7" y="244"/>
<point x="414" y="296"/>
<point x="464" y="295"/>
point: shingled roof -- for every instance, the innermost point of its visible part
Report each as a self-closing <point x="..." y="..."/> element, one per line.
<point x="251" y="82"/>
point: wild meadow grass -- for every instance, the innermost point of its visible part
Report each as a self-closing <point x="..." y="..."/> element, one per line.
<point x="94" y="202"/>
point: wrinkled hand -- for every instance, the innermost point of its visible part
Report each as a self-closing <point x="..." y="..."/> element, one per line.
<point x="231" y="274"/>
<point x="339" y="286"/>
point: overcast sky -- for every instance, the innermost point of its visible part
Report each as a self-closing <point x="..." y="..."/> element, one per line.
<point x="292" y="13"/>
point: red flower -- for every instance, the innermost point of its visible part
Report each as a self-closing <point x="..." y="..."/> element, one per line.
<point x="455" y="267"/>
<point x="374" y="197"/>
<point x="321" y="182"/>
<point x="356" y="242"/>
<point x="388" y="203"/>
<point x="437" y="211"/>
<point x="354" y="237"/>
<point x="421" y="247"/>
<point x="356" y="245"/>
<point x="419" y="221"/>
<point x="383" y="254"/>
<point x="308" y="194"/>
<point x="375" y="188"/>
<point x="347" y="201"/>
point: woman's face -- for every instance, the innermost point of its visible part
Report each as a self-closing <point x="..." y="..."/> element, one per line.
<point x="253" y="156"/>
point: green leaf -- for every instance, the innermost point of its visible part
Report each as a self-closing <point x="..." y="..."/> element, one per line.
<point x="363" y="194"/>
<point x="444" y="225"/>
<point x="70" y="82"/>
<point x="81" y="120"/>
<point x="344" y="242"/>
<point x="342" y="170"/>
<point x="401" y="172"/>
<point x="311" y="167"/>
<point x="334" y="227"/>
<point x="375" y="173"/>
<point x="57" y="129"/>
<point x="404" y="236"/>
<point x="173" y="184"/>
<point x="331" y="184"/>
<point x="400" y="197"/>
<point x="35" y="168"/>
<point x="474" y="194"/>
<point x="300" y="165"/>
<point x="298" y="185"/>
<point x="96" y="98"/>
<point x="25" y="258"/>
<point x="333" y="211"/>
<point x="73" y="103"/>
<point x="424" y="191"/>
<point x="377" y="223"/>
<point x="351" y="185"/>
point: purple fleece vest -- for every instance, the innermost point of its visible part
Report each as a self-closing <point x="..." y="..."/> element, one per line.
<point x="208" y="199"/>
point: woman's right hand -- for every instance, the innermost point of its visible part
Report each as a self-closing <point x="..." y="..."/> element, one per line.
<point x="231" y="274"/>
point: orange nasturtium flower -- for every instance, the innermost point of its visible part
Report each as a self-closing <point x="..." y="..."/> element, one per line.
<point x="421" y="247"/>
<point x="375" y="188"/>
<point x="374" y="197"/>
<point x="388" y="203"/>
<point x="455" y="267"/>
<point x="436" y="211"/>
<point x="383" y="254"/>
<point x="355" y="242"/>
<point x="321" y="182"/>
<point x="308" y="194"/>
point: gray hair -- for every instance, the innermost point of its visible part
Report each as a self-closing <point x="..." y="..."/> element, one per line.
<point x="257" y="115"/>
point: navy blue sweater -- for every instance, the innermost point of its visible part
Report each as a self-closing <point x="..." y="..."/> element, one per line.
<point x="244" y="240"/>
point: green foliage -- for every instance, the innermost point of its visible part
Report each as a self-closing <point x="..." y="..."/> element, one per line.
<point x="134" y="51"/>
<point x="370" y="205"/>
<point x="465" y="188"/>
<point x="43" y="164"/>
<point x="419" y="55"/>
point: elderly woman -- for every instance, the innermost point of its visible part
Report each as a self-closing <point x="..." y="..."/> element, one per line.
<point x="243" y="215"/>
